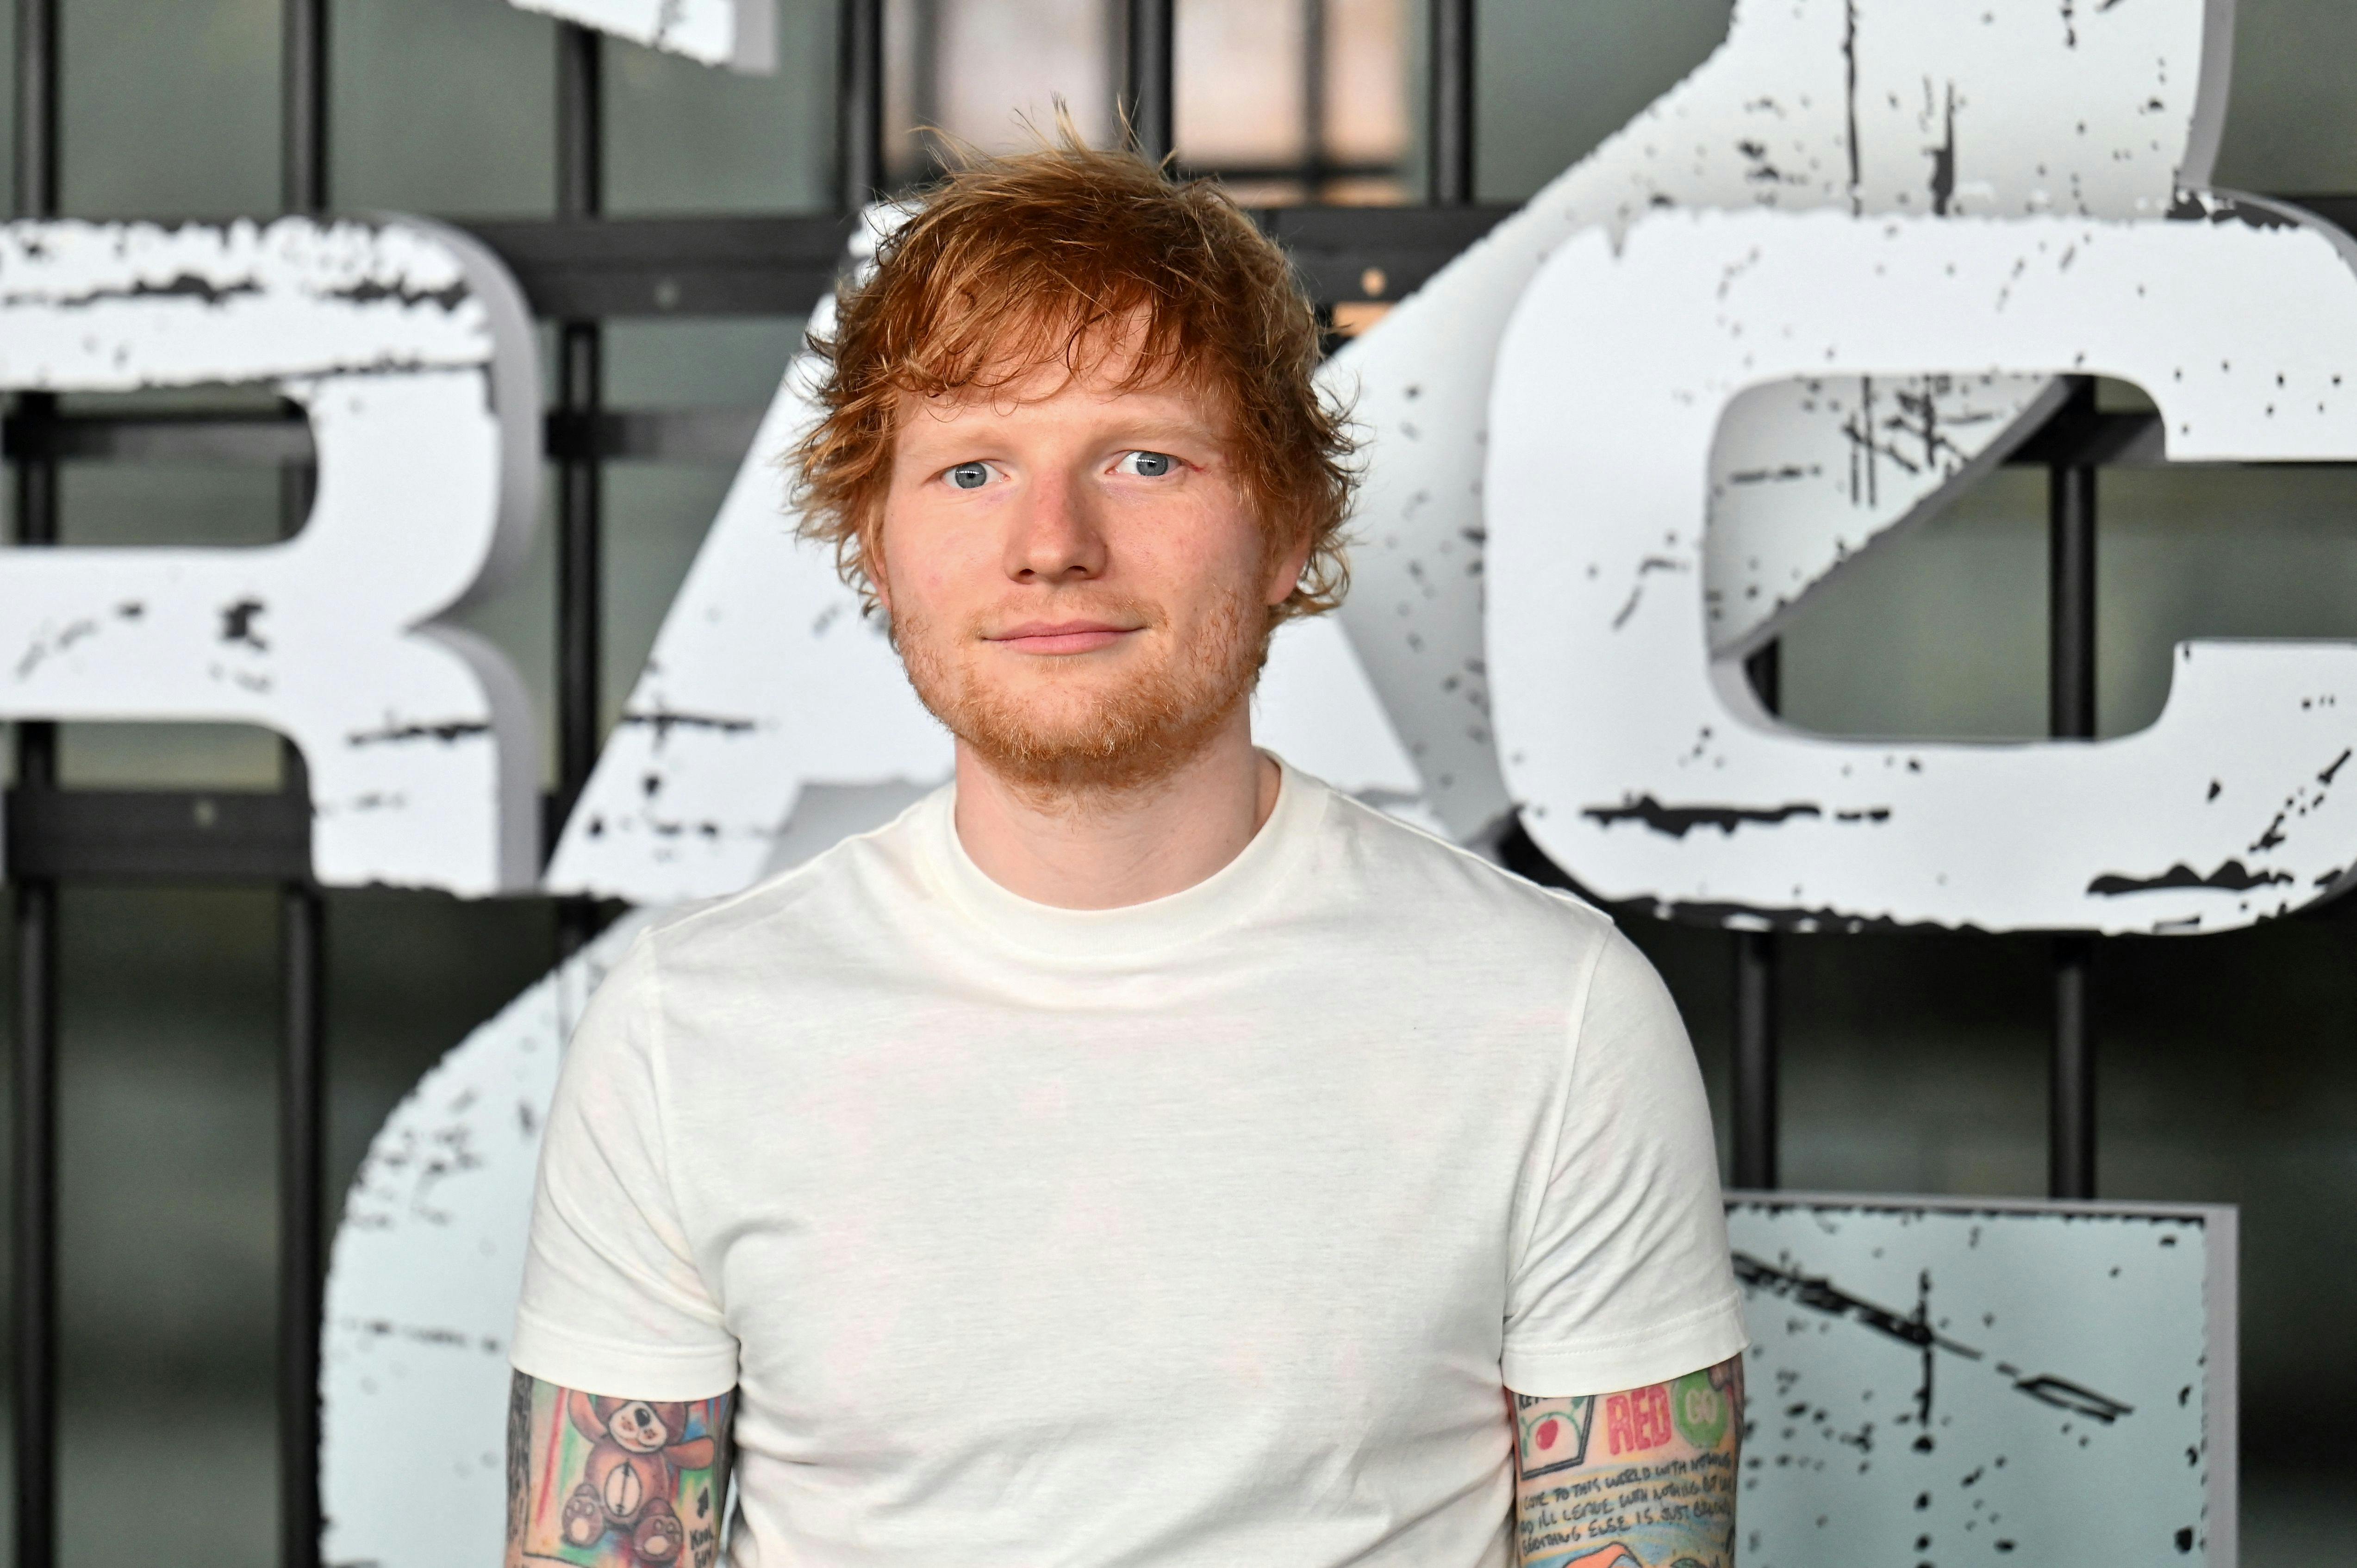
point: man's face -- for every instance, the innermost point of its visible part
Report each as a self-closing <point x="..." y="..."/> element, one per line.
<point x="1077" y="585"/>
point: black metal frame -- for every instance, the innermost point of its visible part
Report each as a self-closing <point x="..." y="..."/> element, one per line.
<point x="580" y="269"/>
<point x="2071" y="715"/>
<point x="302" y="917"/>
<point x="580" y="471"/>
<point x="34" y="1158"/>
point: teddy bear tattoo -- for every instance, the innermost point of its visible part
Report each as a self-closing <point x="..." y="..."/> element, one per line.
<point x="634" y="1468"/>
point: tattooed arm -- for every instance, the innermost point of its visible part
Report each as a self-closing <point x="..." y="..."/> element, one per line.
<point x="1642" y="1480"/>
<point x="598" y="1482"/>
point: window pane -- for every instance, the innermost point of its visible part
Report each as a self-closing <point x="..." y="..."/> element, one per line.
<point x="978" y="70"/>
<point x="2292" y="125"/>
<point x="1241" y="100"/>
<point x="1556" y="79"/>
<point x="1367" y="90"/>
<point x="442" y="106"/>
<point x="685" y="137"/>
<point x="169" y="110"/>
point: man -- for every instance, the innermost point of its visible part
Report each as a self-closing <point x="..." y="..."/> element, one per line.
<point x="1138" y="1152"/>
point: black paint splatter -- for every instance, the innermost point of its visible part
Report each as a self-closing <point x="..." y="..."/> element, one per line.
<point x="666" y="720"/>
<point x="2233" y="876"/>
<point x="1821" y="1295"/>
<point x="1679" y="821"/>
<point x="1944" y="162"/>
<point x="448" y="730"/>
<point x="1849" y="88"/>
<point x="237" y="623"/>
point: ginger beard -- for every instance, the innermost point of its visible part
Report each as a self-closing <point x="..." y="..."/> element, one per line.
<point x="1063" y="731"/>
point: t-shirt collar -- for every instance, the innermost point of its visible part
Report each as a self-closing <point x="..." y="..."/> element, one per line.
<point x="1220" y="901"/>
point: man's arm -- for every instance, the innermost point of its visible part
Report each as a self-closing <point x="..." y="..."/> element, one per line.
<point x="618" y="1483"/>
<point x="1642" y="1480"/>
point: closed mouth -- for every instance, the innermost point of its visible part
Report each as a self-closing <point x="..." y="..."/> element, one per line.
<point x="1061" y="637"/>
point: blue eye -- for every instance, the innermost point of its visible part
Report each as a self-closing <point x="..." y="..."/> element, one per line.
<point x="970" y="476"/>
<point x="1147" y="465"/>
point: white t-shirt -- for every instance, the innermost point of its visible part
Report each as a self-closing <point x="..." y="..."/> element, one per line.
<point x="1204" y="1231"/>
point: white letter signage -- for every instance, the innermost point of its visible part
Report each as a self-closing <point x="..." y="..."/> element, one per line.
<point x="739" y="33"/>
<point x="1648" y="770"/>
<point x="1993" y="109"/>
<point x="410" y="348"/>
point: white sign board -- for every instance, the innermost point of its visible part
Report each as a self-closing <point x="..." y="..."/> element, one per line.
<point x="739" y="33"/>
<point x="410" y="348"/>
<point x="1998" y="109"/>
<point x="1649" y="771"/>
<point x="1969" y="1380"/>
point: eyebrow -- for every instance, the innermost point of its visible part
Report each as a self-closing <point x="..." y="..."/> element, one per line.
<point x="1143" y="429"/>
<point x="1181" y="427"/>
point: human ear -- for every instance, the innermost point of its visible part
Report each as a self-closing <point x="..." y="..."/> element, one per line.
<point x="872" y="568"/>
<point x="1284" y="571"/>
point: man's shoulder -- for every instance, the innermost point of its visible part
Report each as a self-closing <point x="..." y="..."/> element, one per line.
<point x="1416" y="875"/>
<point x="790" y="912"/>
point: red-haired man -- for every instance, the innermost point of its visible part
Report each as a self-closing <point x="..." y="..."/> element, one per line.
<point x="1138" y="1152"/>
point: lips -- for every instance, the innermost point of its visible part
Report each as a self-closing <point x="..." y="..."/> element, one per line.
<point x="1060" y="635"/>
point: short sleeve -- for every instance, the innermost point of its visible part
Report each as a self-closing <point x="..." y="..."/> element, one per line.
<point x="1623" y="1280"/>
<point x="613" y="1302"/>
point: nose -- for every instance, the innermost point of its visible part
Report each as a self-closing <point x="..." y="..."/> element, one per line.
<point x="1052" y="535"/>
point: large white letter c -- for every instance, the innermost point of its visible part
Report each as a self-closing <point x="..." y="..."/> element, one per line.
<point x="1649" y="772"/>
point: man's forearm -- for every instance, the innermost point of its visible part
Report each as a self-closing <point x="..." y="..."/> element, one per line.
<point x="1640" y="1479"/>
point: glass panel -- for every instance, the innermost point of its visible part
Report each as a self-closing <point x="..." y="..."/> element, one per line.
<point x="167" y="1232"/>
<point x="1243" y="94"/>
<point x="169" y="110"/>
<point x="1941" y="632"/>
<point x="1556" y="79"/>
<point x="685" y="137"/>
<point x="1366" y="94"/>
<point x="441" y="106"/>
<point x="2186" y="553"/>
<point x="2293" y="123"/>
<point x="686" y="361"/>
<point x="1294" y="102"/>
<point x="990" y="74"/>
<point x="168" y="757"/>
<point x="8" y="109"/>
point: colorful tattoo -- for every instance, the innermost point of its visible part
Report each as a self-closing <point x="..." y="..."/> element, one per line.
<point x="1640" y="1479"/>
<point x="1554" y="1433"/>
<point x="599" y="1482"/>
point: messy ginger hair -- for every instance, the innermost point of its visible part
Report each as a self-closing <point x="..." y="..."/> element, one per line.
<point x="1064" y="253"/>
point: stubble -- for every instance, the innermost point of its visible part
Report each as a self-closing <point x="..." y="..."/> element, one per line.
<point x="1069" y="742"/>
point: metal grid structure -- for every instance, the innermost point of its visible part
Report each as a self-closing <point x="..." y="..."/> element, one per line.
<point x="580" y="269"/>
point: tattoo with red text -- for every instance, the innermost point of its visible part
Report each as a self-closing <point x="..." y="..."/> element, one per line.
<point x="1644" y="1478"/>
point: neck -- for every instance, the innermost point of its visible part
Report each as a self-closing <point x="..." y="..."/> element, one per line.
<point x="1104" y="850"/>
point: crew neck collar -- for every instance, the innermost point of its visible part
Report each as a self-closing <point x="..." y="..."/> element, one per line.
<point x="1091" y="937"/>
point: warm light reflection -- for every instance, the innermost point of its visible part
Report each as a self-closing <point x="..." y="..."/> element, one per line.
<point x="1366" y="82"/>
<point x="1289" y="99"/>
<point x="985" y="71"/>
<point x="1241" y="84"/>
